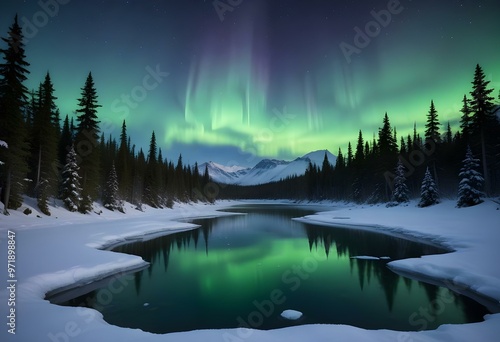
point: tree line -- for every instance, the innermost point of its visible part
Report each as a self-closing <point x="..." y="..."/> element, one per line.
<point x="392" y="169"/>
<point x="74" y="161"/>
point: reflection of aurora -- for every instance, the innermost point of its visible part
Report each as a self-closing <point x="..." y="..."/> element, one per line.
<point x="207" y="277"/>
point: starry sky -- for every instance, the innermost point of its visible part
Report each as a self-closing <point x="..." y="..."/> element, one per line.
<point x="235" y="81"/>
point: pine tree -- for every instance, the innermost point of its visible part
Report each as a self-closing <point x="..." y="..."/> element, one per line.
<point x="139" y="167"/>
<point x="151" y="179"/>
<point x="387" y="153"/>
<point x="326" y="177"/>
<point x="360" y="155"/>
<point x="111" y="193"/>
<point x="432" y="137"/>
<point x="44" y="142"/>
<point x="87" y="143"/>
<point x="400" y="192"/>
<point x="349" y="155"/>
<point x="13" y="101"/>
<point x="65" y="142"/>
<point x="180" y="180"/>
<point x="432" y="125"/>
<point x="449" y="134"/>
<point x="402" y="148"/>
<point x="428" y="191"/>
<point x="340" y="163"/>
<point x="386" y="143"/>
<point x="123" y="164"/>
<point x="471" y="182"/>
<point x="70" y="189"/>
<point x="465" y="120"/>
<point x="481" y="106"/>
<point x="205" y="181"/>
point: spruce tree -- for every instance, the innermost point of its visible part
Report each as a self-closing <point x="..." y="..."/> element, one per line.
<point x="387" y="155"/>
<point x="471" y="182"/>
<point x="432" y="137"/>
<point x="428" y="191"/>
<point x="197" y="182"/>
<point x="449" y="134"/>
<point x="400" y="192"/>
<point x="481" y="106"/>
<point x="151" y="178"/>
<point x="340" y="163"/>
<point x="139" y="171"/>
<point x="111" y="193"/>
<point x="13" y="131"/>
<point x="326" y="177"/>
<point x="360" y="155"/>
<point x="65" y="142"/>
<point x="44" y="142"/>
<point x="70" y="188"/>
<point x="349" y="155"/>
<point x="465" y="119"/>
<point x="87" y="144"/>
<point x="386" y="143"/>
<point x="123" y="164"/>
<point x="432" y="125"/>
<point x="180" y="180"/>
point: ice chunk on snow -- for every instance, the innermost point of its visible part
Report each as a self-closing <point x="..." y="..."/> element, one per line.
<point x="291" y="314"/>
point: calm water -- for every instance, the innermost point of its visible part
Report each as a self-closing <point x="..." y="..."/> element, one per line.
<point x="245" y="270"/>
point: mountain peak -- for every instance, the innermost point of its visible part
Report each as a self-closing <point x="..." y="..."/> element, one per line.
<point x="267" y="170"/>
<point x="317" y="157"/>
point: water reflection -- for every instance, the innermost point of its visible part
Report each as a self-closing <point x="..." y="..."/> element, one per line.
<point x="352" y="243"/>
<point x="208" y="277"/>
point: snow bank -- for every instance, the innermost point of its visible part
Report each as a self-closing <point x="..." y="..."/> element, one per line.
<point x="60" y="251"/>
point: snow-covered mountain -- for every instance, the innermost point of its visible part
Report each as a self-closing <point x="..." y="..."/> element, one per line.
<point x="265" y="171"/>
<point x="223" y="174"/>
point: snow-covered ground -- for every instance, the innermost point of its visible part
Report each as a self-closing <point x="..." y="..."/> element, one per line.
<point x="61" y="250"/>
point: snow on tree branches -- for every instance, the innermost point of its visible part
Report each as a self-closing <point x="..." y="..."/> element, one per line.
<point x="111" y="200"/>
<point x="400" y="192"/>
<point x="428" y="191"/>
<point x="71" y="190"/>
<point x="471" y="182"/>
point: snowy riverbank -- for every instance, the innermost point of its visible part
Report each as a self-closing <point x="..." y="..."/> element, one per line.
<point x="61" y="250"/>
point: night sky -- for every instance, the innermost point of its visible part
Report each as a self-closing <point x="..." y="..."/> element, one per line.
<point x="265" y="78"/>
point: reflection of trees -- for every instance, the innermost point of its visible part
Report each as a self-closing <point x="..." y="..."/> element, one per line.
<point x="430" y="290"/>
<point x="352" y="242"/>
<point x="349" y="242"/>
<point x="137" y="281"/>
<point x="152" y="250"/>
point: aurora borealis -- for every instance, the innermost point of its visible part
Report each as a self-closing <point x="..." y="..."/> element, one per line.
<point x="270" y="80"/>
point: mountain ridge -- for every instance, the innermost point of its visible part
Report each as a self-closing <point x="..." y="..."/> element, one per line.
<point x="266" y="170"/>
